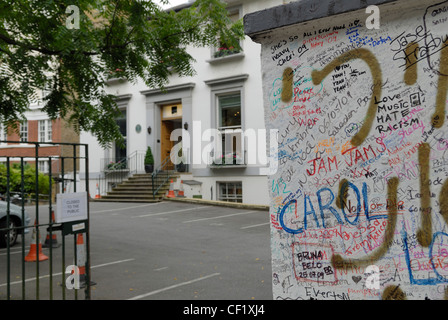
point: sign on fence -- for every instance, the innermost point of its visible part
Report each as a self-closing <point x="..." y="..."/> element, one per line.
<point x="71" y="207"/>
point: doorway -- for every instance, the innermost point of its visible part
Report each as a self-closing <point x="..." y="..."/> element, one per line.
<point x="171" y="120"/>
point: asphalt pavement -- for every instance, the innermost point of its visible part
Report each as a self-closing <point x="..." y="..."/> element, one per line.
<point x="159" y="251"/>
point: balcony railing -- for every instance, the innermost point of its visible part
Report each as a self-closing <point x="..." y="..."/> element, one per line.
<point x="233" y="160"/>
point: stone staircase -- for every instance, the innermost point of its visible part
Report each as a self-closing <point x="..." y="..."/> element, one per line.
<point x="138" y="188"/>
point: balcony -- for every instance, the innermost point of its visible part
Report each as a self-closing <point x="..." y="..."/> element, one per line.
<point x="226" y="161"/>
<point x="232" y="155"/>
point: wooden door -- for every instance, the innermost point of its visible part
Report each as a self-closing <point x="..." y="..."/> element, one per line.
<point x="166" y="144"/>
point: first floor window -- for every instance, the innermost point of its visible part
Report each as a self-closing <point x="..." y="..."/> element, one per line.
<point x="229" y="125"/>
<point x="121" y="121"/>
<point x="3" y="134"/>
<point x="45" y="131"/>
<point x="24" y="131"/>
<point x="230" y="191"/>
<point x="228" y="117"/>
<point x="229" y="112"/>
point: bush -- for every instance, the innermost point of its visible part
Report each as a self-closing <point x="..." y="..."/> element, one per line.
<point x="149" y="158"/>
<point x="29" y="180"/>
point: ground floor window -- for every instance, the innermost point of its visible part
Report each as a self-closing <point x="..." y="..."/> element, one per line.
<point x="230" y="191"/>
<point x="44" y="166"/>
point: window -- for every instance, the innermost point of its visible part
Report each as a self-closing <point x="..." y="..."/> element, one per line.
<point x="230" y="191"/>
<point x="24" y="131"/>
<point x="37" y="98"/>
<point x="224" y="50"/>
<point x="45" y="131"/>
<point x="227" y="112"/>
<point x="3" y="134"/>
<point x="229" y="125"/>
<point x="121" y="153"/>
<point x="49" y="130"/>
<point x="43" y="166"/>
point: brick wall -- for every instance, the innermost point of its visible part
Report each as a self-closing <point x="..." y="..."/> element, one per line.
<point x="61" y="132"/>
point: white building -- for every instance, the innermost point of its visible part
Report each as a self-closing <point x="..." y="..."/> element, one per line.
<point x="225" y="93"/>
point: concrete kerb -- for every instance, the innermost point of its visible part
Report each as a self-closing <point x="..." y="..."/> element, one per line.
<point x="220" y="203"/>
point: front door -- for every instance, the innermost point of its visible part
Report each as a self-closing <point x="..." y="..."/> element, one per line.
<point x="166" y="143"/>
<point x="171" y="120"/>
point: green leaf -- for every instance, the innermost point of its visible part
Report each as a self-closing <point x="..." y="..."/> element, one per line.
<point x="136" y="37"/>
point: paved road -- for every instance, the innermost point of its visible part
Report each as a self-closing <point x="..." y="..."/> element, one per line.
<point x="166" y="251"/>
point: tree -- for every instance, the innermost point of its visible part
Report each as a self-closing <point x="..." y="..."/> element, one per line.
<point x="72" y="47"/>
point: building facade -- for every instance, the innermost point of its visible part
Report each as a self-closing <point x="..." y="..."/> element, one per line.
<point x="38" y="128"/>
<point x="223" y="101"/>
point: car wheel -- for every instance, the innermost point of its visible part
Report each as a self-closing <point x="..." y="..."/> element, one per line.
<point x="13" y="233"/>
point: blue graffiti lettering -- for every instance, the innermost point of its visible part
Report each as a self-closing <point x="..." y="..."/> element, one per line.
<point x="308" y="209"/>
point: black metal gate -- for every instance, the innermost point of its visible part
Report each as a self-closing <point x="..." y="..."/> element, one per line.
<point x="40" y="258"/>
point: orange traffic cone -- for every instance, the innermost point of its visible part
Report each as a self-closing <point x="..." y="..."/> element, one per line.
<point x="171" y="192"/>
<point x="97" y="194"/>
<point x="53" y="240"/>
<point x="81" y="261"/>
<point x="180" y="193"/>
<point x="35" y="254"/>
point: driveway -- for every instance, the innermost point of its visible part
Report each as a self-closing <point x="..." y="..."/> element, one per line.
<point x="163" y="251"/>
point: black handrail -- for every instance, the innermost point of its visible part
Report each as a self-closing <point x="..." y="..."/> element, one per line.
<point x="162" y="171"/>
<point x="117" y="172"/>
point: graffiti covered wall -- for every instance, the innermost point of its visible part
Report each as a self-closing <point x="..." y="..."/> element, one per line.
<point x="359" y="205"/>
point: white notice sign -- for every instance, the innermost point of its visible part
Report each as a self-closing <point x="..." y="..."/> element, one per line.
<point x="71" y="207"/>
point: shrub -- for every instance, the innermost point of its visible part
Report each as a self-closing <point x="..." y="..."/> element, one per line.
<point x="149" y="158"/>
<point x="29" y="180"/>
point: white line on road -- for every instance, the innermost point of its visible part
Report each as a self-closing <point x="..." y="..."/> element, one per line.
<point x="255" y="225"/>
<point x="11" y="252"/>
<point x="110" y="263"/>
<point x="160" y="269"/>
<point x="173" y="286"/>
<point x="127" y="208"/>
<point x="59" y="273"/>
<point x="218" y="217"/>
<point x="166" y="212"/>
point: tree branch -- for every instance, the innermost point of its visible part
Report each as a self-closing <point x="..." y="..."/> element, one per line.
<point x="13" y="42"/>
<point x="46" y="51"/>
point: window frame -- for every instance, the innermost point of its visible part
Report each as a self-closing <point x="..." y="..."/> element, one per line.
<point x="219" y="125"/>
<point x="228" y="197"/>
<point x="24" y="134"/>
<point x="236" y="155"/>
<point x="43" y="166"/>
<point x="124" y="116"/>
<point x="222" y="87"/>
<point x="3" y="134"/>
<point x="45" y="135"/>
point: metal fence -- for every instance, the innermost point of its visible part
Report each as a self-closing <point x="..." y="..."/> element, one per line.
<point x="31" y="266"/>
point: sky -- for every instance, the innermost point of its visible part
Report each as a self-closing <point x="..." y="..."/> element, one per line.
<point x="174" y="3"/>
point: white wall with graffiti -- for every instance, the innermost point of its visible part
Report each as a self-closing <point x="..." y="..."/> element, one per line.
<point x="359" y="205"/>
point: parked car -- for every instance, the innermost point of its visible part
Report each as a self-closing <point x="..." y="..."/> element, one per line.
<point x="15" y="220"/>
